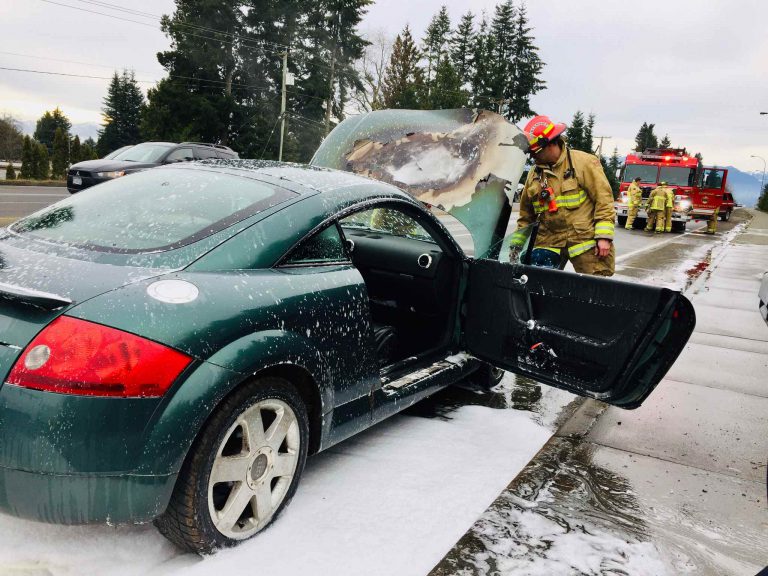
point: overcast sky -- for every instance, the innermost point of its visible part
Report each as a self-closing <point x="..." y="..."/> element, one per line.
<point x="695" y="68"/>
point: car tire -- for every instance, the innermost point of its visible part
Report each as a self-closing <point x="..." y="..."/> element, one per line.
<point x="725" y="216"/>
<point x="678" y="227"/>
<point x="258" y="470"/>
<point x="622" y="221"/>
<point x="487" y="376"/>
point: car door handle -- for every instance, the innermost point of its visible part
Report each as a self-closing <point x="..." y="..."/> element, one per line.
<point x="523" y="280"/>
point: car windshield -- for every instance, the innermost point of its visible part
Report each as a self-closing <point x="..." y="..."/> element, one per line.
<point x="148" y="152"/>
<point x="647" y="173"/>
<point x="114" y="153"/>
<point x="677" y="175"/>
<point x="152" y="211"/>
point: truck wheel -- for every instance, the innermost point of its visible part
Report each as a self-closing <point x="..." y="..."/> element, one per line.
<point x="241" y="471"/>
<point x="622" y="220"/>
<point x="725" y="216"/>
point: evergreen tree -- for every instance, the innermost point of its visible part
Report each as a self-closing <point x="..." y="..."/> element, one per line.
<point x="46" y="127"/>
<point x="482" y="55"/>
<point x="75" y="150"/>
<point x="88" y="150"/>
<point x="526" y="67"/>
<point x="446" y="88"/>
<point x="589" y="128"/>
<point x="646" y="138"/>
<point x="462" y="44"/>
<point x="575" y="132"/>
<point x="11" y="138"/>
<point x="122" y="110"/>
<point x="762" y="203"/>
<point x="404" y="81"/>
<point x="60" y="159"/>
<point x="42" y="162"/>
<point x="27" y="159"/>
<point x="435" y="40"/>
<point x="614" y="165"/>
<point x="10" y="173"/>
<point x="501" y="49"/>
<point x="665" y="142"/>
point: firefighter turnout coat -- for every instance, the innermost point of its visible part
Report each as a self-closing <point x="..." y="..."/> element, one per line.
<point x="585" y="211"/>
<point x="635" y="194"/>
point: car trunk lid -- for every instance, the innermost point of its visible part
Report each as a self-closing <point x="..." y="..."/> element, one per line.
<point x="36" y="287"/>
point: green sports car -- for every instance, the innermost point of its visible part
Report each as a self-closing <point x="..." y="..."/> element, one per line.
<point x="174" y="344"/>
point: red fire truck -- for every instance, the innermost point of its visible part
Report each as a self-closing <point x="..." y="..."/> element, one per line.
<point x="699" y="190"/>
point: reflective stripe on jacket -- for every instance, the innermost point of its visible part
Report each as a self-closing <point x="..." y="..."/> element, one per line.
<point x="585" y="209"/>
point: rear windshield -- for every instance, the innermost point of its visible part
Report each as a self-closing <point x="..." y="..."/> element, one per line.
<point x="152" y="211"/>
<point x="144" y="153"/>
<point x="646" y="173"/>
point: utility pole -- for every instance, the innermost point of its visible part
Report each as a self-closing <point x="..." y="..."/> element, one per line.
<point x="762" y="181"/>
<point x="599" y="150"/>
<point x="282" y="105"/>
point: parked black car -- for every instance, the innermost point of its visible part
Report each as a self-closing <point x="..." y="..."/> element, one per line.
<point x="140" y="157"/>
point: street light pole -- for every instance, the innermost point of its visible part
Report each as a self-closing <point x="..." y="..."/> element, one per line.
<point x="762" y="182"/>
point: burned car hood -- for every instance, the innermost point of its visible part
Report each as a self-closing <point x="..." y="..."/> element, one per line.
<point x="457" y="160"/>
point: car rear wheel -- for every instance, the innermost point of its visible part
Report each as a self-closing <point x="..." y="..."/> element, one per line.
<point x="242" y="470"/>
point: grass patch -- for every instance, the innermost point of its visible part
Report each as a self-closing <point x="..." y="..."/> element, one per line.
<point x="33" y="182"/>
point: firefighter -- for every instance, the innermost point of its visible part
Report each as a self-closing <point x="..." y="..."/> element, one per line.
<point x="657" y="203"/>
<point x="668" y="209"/>
<point x="568" y="194"/>
<point x="635" y="194"/>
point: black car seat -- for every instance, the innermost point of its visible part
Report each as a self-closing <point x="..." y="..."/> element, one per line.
<point x="385" y="339"/>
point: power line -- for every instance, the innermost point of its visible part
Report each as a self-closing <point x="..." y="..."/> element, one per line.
<point x="203" y="80"/>
<point x="158" y="17"/>
<point x="262" y="48"/>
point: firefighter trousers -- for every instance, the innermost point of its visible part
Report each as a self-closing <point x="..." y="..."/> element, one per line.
<point x="631" y="215"/>
<point x="668" y="220"/>
<point x="655" y="220"/>
<point x="712" y="223"/>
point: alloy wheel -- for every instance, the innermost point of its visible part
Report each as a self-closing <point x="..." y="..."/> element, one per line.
<point x="253" y="468"/>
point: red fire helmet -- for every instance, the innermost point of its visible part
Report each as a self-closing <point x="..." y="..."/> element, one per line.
<point x="540" y="131"/>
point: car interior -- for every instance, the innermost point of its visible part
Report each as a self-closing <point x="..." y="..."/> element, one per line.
<point x="411" y="281"/>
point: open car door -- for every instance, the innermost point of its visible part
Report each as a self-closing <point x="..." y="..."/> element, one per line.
<point x="592" y="336"/>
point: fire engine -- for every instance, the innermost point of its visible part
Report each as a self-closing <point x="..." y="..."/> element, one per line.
<point x="699" y="190"/>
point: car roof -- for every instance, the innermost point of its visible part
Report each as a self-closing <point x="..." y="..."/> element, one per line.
<point x="301" y="178"/>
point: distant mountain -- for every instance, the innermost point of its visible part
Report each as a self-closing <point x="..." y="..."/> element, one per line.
<point x="85" y="129"/>
<point x="745" y="186"/>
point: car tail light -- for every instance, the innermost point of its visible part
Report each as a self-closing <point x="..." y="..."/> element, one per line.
<point x="73" y="356"/>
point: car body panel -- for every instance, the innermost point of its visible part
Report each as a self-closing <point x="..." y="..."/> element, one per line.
<point x="457" y="160"/>
<point x="763" y="297"/>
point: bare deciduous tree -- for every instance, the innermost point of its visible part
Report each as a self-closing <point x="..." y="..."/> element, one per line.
<point x="372" y="67"/>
